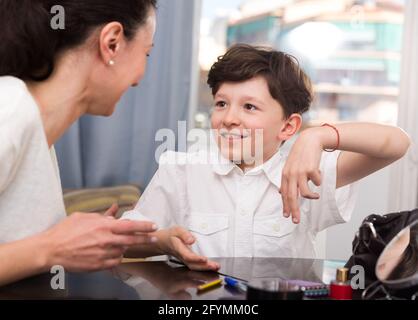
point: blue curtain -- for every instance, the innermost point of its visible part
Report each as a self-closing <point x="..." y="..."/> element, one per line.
<point x="99" y="152"/>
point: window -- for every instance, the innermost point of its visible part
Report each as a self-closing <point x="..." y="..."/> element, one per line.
<point x="350" y="49"/>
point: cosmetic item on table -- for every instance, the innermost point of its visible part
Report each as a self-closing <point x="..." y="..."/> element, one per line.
<point x="341" y="289"/>
<point x="209" y="285"/>
<point x="273" y="289"/>
<point x="312" y="289"/>
<point x="235" y="284"/>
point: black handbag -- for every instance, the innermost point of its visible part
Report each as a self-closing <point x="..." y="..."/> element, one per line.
<point x="374" y="234"/>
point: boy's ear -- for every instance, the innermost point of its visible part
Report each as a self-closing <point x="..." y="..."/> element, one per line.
<point x="290" y="127"/>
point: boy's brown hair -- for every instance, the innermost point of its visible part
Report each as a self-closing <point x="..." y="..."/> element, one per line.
<point x="287" y="82"/>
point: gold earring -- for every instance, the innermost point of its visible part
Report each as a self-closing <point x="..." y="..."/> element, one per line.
<point x="111" y="63"/>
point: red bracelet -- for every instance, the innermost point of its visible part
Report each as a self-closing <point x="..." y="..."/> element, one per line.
<point x="338" y="137"/>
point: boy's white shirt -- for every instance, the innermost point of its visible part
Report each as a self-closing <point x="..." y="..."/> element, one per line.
<point x="237" y="214"/>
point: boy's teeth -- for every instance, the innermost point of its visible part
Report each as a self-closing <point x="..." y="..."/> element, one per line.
<point x="232" y="135"/>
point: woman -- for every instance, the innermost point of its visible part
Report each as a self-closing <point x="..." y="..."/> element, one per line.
<point x="48" y="79"/>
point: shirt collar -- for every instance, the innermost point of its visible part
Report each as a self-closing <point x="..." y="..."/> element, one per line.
<point x="221" y="165"/>
<point x="272" y="168"/>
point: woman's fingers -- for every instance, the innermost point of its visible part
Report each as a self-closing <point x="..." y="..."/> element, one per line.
<point x="114" y="252"/>
<point x="112" y="263"/>
<point x="131" y="227"/>
<point x="128" y="241"/>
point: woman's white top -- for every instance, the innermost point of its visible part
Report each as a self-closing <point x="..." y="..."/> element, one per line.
<point x="30" y="188"/>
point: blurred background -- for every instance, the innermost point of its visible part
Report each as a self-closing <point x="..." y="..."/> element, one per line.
<point x="362" y="57"/>
<point x="350" y="49"/>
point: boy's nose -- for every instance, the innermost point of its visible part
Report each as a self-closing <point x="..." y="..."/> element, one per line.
<point x="231" y="118"/>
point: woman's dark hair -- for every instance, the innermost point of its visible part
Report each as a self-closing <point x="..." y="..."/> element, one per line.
<point x="29" y="44"/>
<point x="287" y="82"/>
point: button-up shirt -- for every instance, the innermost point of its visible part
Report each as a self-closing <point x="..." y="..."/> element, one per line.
<point x="233" y="213"/>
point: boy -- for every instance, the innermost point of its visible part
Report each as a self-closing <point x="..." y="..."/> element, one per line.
<point x="233" y="207"/>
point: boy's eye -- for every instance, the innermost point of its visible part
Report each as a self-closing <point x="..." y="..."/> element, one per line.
<point x="220" y="104"/>
<point x="250" y="107"/>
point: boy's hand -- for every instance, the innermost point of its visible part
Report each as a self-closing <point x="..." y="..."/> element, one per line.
<point x="176" y="241"/>
<point x="301" y="166"/>
<point x="112" y="211"/>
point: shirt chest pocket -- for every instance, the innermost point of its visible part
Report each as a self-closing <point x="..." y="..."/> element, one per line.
<point x="211" y="233"/>
<point x="273" y="236"/>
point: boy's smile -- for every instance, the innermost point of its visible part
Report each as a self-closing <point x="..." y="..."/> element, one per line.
<point x="247" y="121"/>
<point x="234" y="134"/>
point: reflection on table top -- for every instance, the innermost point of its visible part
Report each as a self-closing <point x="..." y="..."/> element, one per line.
<point x="162" y="280"/>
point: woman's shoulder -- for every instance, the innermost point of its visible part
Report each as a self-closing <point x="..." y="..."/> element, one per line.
<point x="11" y="90"/>
<point x="20" y="121"/>
<point x="18" y="110"/>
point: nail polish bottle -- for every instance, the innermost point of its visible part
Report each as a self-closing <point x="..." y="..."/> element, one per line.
<point x="341" y="289"/>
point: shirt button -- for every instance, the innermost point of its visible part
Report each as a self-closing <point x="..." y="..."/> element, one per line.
<point x="204" y="226"/>
<point x="243" y="213"/>
<point x="276" y="227"/>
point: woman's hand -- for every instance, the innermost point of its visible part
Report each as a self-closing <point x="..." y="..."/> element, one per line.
<point x="88" y="242"/>
<point x="176" y="241"/>
<point x="302" y="166"/>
